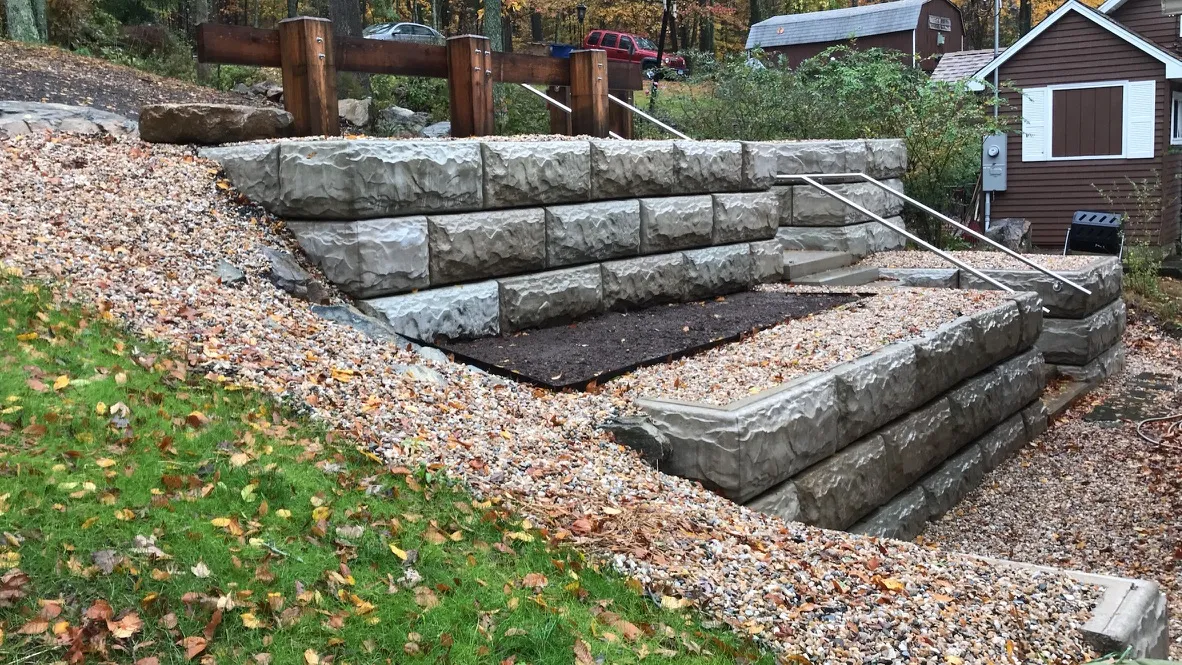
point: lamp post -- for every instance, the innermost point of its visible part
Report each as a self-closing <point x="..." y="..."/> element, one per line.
<point x="581" y="11"/>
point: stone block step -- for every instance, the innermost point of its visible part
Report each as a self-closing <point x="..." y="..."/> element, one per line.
<point x="799" y="263"/>
<point x="840" y="277"/>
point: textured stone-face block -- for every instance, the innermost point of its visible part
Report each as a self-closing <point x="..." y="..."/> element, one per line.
<point x="1030" y="309"/>
<point x="1000" y="332"/>
<point x="767" y="261"/>
<point x="929" y="278"/>
<point x="886" y="158"/>
<point x="784" y="195"/>
<point x="211" y="124"/>
<point x="813" y="207"/>
<point x="836" y="492"/>
<point x="587" y="232"/>
<point x="759" y="165"/>
<point x="708" y="166"/>
<point x="749" y="216"/>
<point x="371" y="257"/>
<point x="1079" y="341"/>
<point x="946" y="356"/>
<point x="705" y="445"/>
<point x="545" y="298"/>
<point x="486" y="244"/>
<point x="715" y="271"/>
<point x="1001" y="442"/>
<point x="918" y="442"/>
<point x="643" y="281"/>
<point x="987" y="398"/>
<point x="1105" y="365"/>
<point x="946" y="486"/>
<point x="253" y="168"/>
<point x="454" y="312"/>
<point x="857" y="239"/>
<point x="874" y="389"/>
<point x="782" y="501"/>
<point x="801" y="157"/>
<point x="1102" y="278"/>
<point x="784" y="431"/>
<point x="363" y="179"/>
<point x="628" y="169"/>
<point x="678" y="222"/>
<point x="903" y="518"/>
<point x="531" y="173"/>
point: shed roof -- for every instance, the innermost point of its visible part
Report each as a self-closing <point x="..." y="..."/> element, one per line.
<point x="836" y="24"/>
<point x="960" y="65"/>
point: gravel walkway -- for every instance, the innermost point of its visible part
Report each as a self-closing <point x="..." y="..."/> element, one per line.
<point x="139" y="230"/>
<point x="978" y="260"/>
<point x="814" y="343"/>
<point x="1090" y="495"/>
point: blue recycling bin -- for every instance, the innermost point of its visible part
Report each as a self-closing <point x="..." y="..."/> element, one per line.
<point x="561" y="50"/>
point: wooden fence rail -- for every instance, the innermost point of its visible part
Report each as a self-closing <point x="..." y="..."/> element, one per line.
<point x="305" y="49"/>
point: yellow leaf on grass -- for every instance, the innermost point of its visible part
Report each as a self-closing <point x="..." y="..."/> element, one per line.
<point x="321" y="513"/>
<point x="284" y="513"/>
<point x="251" y="621"/>
<point x="220" y="522"/>
<point x="61" y="382"/>
<point x="311" y="657"/>
<point x="401" y="554"/>
<point x="27" y="337"/>
<point x="124" y="515"/>
<point x="105" y="462"/>
<point x="239" y="459"/>
<point x="101" y="408"/>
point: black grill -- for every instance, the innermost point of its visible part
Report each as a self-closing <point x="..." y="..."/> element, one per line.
<point x="1095" y="233"/>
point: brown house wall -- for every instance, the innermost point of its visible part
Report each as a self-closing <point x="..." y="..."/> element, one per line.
<point x="1075" y="50"/>
<point x="798" y="53"/>
<point x="1145" y="18"/>
<point x="925" y="37"/>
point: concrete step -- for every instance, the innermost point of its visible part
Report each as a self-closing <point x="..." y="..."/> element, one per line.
<point x="840" y="277"/>
<point x="797" y="264"/>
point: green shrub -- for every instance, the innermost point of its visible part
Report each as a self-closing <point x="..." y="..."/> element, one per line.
<point x="428" y="95"/>
<point x="1142" y="263"/>
<point x="519" y="112"/>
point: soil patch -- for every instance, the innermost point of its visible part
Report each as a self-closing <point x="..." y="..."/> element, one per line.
<point x="572" y="356"/>
<point x="36" y="73"/>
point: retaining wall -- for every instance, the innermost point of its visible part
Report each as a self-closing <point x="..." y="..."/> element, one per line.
<point x="1081" y="333"/>
<point x="831" y="448"/>
<point x="479" y="237"/>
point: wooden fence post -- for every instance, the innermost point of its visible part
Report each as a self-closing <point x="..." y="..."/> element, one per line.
<point x="309" y="75"/>
<point x="620" y="118"/>
<point x="470" y="88"/>
<point x="559" y="119"/>
<point x="588" y="93"/>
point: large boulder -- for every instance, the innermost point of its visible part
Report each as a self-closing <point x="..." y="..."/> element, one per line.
<point x="355" y="111"/>
<point x="17" y="118"/>
<point x="1013" y="232"/>
<point x="211" y="124"/>
<point x="398" y="121"/>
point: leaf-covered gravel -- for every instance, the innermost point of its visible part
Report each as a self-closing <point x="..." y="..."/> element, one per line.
<point x="139" y="230"/>
<point x="981" y="260"/>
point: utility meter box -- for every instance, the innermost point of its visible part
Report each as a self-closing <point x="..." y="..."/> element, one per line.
<point x="993" y="163"/>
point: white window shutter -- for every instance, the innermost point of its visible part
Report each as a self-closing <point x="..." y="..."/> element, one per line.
<point x="1036" y="124"/>
<point x="1140" y="119"/>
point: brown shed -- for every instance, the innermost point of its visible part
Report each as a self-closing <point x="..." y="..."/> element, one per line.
<point x="1095" y="119"/>
<point x="923" y="29"/>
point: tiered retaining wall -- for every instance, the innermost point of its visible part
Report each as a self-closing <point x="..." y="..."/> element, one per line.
<point x="475" y="238"/>
<point x="920" y="421"/>
<point x="1081" y="333"/>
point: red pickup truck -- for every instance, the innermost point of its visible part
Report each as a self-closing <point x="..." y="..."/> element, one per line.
<point x="631" y="48"/>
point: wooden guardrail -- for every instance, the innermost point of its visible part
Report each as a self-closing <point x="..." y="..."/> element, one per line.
<point x="305" y="49"/>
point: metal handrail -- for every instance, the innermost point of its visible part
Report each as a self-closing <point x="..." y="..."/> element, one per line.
<point x="914" y="238"/>
<point x="648" y="117"/>
<point x="548" y="98"/>
<point x="943" y="217"/>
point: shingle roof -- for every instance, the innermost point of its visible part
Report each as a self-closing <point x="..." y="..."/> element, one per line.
<point x="835" y="24"/>
<point x="960" y="65"/>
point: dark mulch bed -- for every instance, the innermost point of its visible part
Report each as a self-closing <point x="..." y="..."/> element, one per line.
<point x="571" y="356"/>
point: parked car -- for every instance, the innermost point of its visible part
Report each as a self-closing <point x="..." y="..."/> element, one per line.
<point x="632" y="48"/>
<point x="403" y="32"/>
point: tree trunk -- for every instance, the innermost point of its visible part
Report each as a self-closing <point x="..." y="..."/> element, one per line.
<point x="346" y="22"/>
<point x="535" y="26"/>
<point x="507" y="34"/>
<point x="293" y="8"/>
<point x="755" y="13"/>
<point x="22" y="21"/>
<point x="493" y="25"/>
<point x="706" y="37"/>
<point x="1024" y="11"/>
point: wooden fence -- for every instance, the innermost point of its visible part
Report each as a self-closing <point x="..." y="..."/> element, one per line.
<point x="304" y="48"/>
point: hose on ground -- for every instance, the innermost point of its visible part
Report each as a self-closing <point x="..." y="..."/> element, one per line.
<point x="1158" y="442"/>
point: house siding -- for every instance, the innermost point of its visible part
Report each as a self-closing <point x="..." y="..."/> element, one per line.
<point x="798" y="53"/>
<point x="1075" y="50"/>
<point x="1145" y="18"/>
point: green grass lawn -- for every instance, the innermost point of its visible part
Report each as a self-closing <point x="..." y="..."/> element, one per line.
<point x="150" y="516"/>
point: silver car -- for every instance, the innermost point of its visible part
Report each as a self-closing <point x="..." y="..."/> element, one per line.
<point x="403" y="32"/>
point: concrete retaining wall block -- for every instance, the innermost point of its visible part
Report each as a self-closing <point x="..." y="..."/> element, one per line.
<point x="874" y="389"/>
<point x="708" y="166"/>
<point x="1103" y="366"/>
<point x="1079" y="341"/>
<point x="586" y="232"/>
<point x="857" y="239"/>
<point x="676" y="222"/>
<point x="716" y="271"/>
<point x="252" y="167"/>
<point x="628" y="169"/>
<point x="643" y="281"/>
<point x="747" y="216"/>
<point x="365" y="179"/>
<point x="1102" y="278"/>
<point x="531" y="173"/>
<point x="545" y="298"/>
<point x="371" y="257"/>
<point x="767" y="261"/>
<point x="486" y="244"/>
<point x="932" y="278"/>
<point x="468" y="310"/>
<point x="886" y="158"/>
<point x="813" y="207"/>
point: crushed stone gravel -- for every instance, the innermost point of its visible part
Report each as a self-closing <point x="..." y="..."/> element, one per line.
<point x="140" y="230"/>
<point x="815" y="343"/>
<point x="1090" y="495"/>
<point x="977" y="259"/>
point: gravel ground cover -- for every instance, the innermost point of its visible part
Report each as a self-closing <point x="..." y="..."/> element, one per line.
<point x="977" y="259"/>
<point x="597" y="349"/>
<point x="814" y="343"/>
<point x="138" y="231"/>
<point x="1090" y="494"/>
